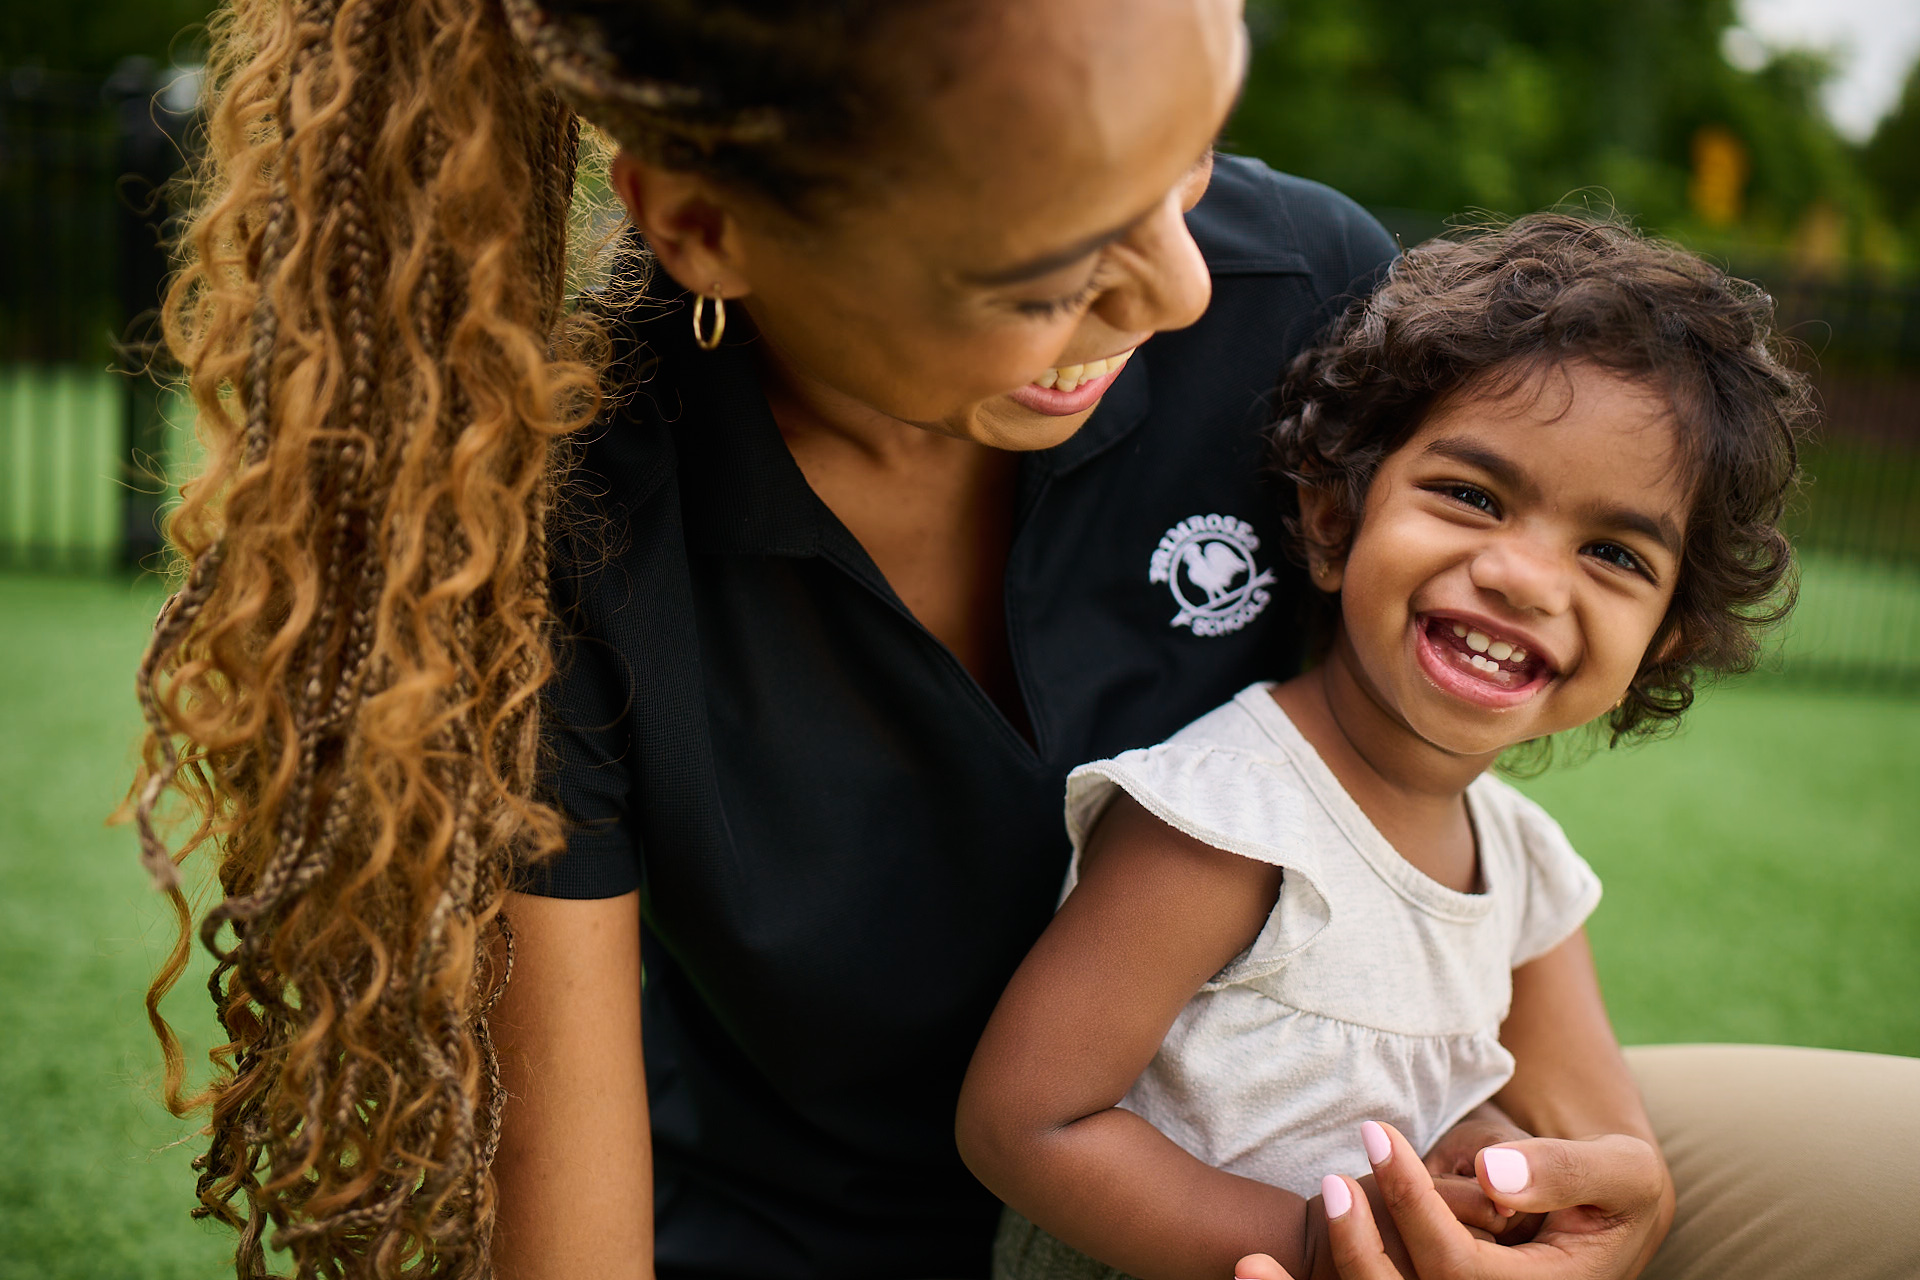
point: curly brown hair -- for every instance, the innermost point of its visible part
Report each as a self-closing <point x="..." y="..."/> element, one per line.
<point x="1488" y="310"/>
<point x="374" y="312"/>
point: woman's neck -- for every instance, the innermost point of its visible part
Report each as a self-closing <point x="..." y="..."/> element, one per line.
<point x="934" y="512"/>
<point x="1412" y="792"/>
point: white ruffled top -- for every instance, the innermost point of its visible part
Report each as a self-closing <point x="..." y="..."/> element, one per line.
<point x="1372" y="992"/>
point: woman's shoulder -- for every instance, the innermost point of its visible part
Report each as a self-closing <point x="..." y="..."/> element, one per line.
<point x="628" y="458"/>
<point x="1256" y="220"/>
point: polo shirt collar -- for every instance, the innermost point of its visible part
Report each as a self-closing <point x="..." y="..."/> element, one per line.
<point x="1121" y="410"/>
<point x="741" y="490"/>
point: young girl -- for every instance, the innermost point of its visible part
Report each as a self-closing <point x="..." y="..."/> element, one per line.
<point x="1538" y="475"/>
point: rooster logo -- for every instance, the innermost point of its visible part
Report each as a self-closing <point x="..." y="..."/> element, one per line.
<point x="1207" y="562"/>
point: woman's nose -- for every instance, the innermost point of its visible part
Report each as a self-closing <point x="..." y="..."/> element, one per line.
<point x="1530" y="577"/>
<point x="1168" y="285"/>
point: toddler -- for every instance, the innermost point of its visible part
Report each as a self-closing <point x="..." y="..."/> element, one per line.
<point x="1536" y="478"/>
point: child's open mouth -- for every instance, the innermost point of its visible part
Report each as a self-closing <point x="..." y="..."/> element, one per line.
<point x="1478" y="664"/>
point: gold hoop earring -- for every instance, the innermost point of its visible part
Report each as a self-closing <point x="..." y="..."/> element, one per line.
<point x="708" y="341"/>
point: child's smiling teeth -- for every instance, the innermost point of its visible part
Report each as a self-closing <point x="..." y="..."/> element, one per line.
<point x="1501" y="662"/>
<point x="1498" y="650"/>
<point x="1067" y="377"/>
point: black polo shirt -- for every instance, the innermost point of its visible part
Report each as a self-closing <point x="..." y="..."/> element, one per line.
<point x="843" y="848"/>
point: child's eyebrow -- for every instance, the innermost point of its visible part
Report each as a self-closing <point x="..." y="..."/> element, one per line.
<point x="1660" y="529"/>
<point x="1494" y="464"/>
<point x="1513" y="478"/>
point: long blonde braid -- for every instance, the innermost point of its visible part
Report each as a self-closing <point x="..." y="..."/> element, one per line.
<point x="342" y="695"/>
<point x="343" y="689"/>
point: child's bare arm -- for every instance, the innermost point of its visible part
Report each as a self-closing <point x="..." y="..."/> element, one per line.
<point x="1155" y="914"/>
<point x="1570" y="1079"/>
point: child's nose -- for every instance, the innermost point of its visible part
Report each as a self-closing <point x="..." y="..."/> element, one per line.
<point x="1529" y="576"/>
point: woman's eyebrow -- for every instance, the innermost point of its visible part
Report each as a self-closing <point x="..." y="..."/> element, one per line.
<point x="1047" y="263"/>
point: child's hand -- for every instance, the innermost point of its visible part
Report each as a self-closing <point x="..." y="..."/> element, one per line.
<point x="1484" y="1126"/>
<point x="1452" y="1162"/>
<point x="1600" y="1198"/>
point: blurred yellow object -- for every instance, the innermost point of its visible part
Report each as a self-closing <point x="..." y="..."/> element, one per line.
<point x="1820" y="241"/>
<point x="1720" y="168"/>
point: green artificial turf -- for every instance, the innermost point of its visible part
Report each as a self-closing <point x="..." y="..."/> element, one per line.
<point x="90" y="1186"/>
<point x="1761" y="871"/>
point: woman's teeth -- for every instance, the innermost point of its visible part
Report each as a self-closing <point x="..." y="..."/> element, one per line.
<point x="1069" y="376"/>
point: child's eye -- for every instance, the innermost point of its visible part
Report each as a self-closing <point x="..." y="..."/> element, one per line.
<point x="1470" y="495"/>
<point x="1620" y="558"/>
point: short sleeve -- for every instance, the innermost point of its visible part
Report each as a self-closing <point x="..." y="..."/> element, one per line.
<point x="1228" y="798"/>
<point x="1561" y="889"/>
<point x="588" y="728"/>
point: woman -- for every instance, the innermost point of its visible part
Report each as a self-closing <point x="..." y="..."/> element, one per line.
<point x="935" y="481"/>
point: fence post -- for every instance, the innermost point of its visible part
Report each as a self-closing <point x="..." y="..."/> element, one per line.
<point x="151" y="117"/>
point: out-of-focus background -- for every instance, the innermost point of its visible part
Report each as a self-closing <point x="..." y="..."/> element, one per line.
<point x="1762" y="875"/>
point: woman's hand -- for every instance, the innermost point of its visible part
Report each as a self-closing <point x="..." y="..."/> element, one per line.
<point x="1452" y="1162"/>
<point x="1600" y="1198"/>
<point x="1353" y="1247"/>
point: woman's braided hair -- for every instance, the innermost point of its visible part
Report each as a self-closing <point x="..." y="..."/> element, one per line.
<point x="342" y="695"/>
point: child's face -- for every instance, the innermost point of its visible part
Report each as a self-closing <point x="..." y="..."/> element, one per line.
<point x="1514" y="559"/>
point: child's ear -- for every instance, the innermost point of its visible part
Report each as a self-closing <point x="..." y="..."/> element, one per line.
<point x="1327" y="532"/>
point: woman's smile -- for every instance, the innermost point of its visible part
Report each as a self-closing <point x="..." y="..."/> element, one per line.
<point x="1073" y="388"/>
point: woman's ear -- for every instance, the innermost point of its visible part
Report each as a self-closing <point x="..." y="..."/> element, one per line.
<point x="1327" y="531"/>
<point x="692" y="230"/>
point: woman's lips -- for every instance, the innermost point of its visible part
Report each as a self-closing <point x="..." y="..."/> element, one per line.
<point x="1045" y="395"/>
<point x="1061" y="404"/>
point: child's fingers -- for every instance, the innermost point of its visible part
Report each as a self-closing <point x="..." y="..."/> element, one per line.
<point x="1466" y="1201"/>
<point x="1258" y="1266"/>
<point x="1354" y="1237"/>
<point x="1617" y="1174"/>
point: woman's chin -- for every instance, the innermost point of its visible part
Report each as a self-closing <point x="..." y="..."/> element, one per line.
<point x="1005" y="423"/>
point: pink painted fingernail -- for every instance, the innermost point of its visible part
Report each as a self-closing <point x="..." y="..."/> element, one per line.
<point x="1375" y="1140"/>
<point x="1334" y="1193"/>
<point x="1506" y="1169"/>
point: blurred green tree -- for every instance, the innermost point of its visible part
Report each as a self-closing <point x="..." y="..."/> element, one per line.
<point x="1503" y="105"/>
<point x="1510" y="105"/>
<point x="94" y="35"/>
<point x="1892" y="158"/>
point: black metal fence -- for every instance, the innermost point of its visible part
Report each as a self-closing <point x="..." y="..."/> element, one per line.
<point x="83" y="165"/>
<point x="1857" y="525"/>
<point x="83" y="168"/>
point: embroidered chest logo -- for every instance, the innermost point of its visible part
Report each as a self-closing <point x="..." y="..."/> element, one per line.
<point x="1207" y="562"/>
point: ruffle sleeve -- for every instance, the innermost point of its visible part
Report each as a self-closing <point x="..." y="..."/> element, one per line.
<point x="1562" y="890"/>
<point x="1232" y="799"/>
